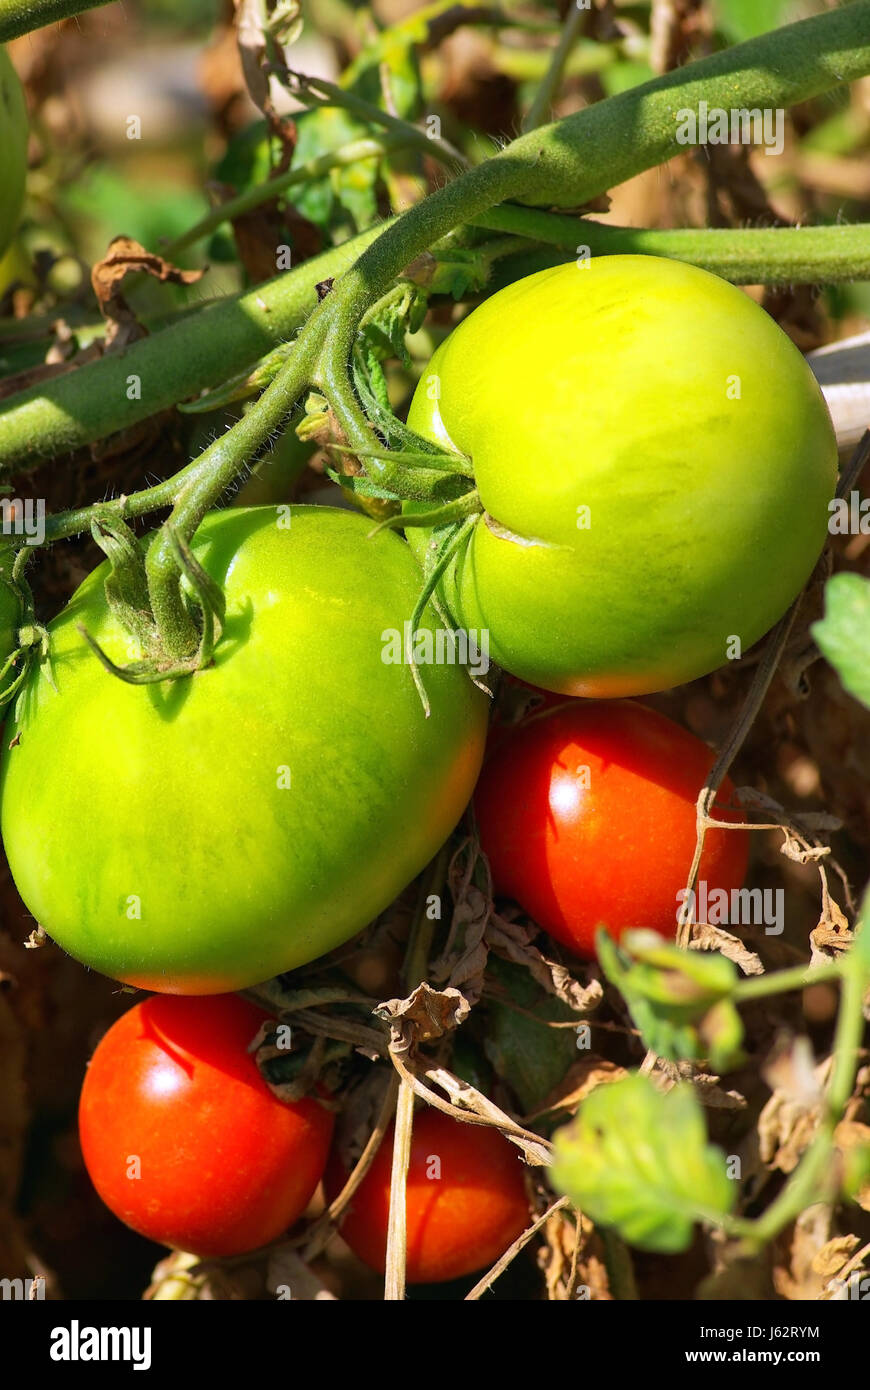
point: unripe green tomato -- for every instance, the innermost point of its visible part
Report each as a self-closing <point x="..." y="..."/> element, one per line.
<point x="196" y="836"/>
<point x="655" y="461"/>
<point x="13" y="149"/>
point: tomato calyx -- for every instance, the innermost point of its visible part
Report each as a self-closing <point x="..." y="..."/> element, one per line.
<point x="126" y="590"/>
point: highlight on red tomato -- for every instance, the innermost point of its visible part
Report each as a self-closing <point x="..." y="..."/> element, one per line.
<point x="466" y="1200"/>
<point x="182" y="1137"/>
<point x="586" y="813"/>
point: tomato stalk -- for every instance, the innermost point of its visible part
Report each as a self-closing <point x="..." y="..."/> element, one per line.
<point x="23" y="16"/>
<point x="744" y="255"/>
<point x="808" y="1183"/>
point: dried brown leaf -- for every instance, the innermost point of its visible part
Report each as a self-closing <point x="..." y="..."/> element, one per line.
<point x="512" y="939"/>
<point x="581" y="1079"/>
<point x="463" y="961"/>
<point x="252" y="43"/>
<point x="791" y="1116"/>
<point x="833" y="934"/>
<point x="795" y="1276"/>
<point x="425" y="1015"/>
<point x="124" y="257"/>
<point x="834" y="1255"/>
<point x="710" y="938"/>
<point x="710" y="1093"/>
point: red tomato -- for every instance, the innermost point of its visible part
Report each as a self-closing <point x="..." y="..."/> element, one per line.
<point x="466" y="1200"/>
<point x="587" y="816"/>
<point x="181" y="1135"/>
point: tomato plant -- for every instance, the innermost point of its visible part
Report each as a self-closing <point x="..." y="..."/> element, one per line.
<point x="13" y="148"/>
<point x="246" y="819"/>
<point x="586" y="813"/>
<point x="182" y="1137"/>
<point x="466" y="1200"/>
<point x="230" y="752"/>
<point x="655" y="461"/>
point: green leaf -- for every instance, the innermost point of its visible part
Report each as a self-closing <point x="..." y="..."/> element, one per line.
<point x="843" y="635"/>
<point x="639" y="1161"/>
<point x="680" y="1000"/>
<point x="346" y="197"/>
<point x="531" y="1057"/>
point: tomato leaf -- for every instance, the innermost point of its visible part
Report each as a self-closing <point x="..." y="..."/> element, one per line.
<point x="532" y="1057"/>
<point x="346" y="197"/>
<point x="639" y="1160"/>
<point x="843" y="635"/>
<point x="680" y="1000"/>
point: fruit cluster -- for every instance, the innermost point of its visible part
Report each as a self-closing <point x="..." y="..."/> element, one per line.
<point x="654" y="463"/>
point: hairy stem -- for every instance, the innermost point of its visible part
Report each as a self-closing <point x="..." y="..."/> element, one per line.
<point x="743" y="255"/>
<point x="23" y="16"/>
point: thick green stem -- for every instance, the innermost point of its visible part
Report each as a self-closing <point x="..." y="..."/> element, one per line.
<point x="745" y="255"/>
<point x="23" y="16"/>
<point x="601" y="146"/>
<point x="195" y="353"/>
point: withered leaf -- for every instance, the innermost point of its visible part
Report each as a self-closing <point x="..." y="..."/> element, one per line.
<point x="124" y="257"/>
<point x="578" y="1082"/>
<point x="512" y="939"/>
<point x="710" y="938"/>
<point x="426" y="1014"/>
<point x="834" y="1255"/>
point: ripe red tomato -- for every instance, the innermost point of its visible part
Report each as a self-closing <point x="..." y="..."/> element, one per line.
<point x="182" y="1137"/>
<point x="586" y="813"/>
<point x="466" y="1200"/>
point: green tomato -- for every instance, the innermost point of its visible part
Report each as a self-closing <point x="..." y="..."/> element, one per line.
<point x="13" y="149"/>
<point x="655" y="461"/>
<point x="195" y="837"/>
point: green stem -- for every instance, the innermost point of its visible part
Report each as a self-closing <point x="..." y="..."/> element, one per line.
<point x="204" y="482"/>
<point x="548" y="90"/>
<point x="779" y="981"/>
<point x="592" y="150"/>
<point x="352" y="153"/>
<point x="320" y="92"/>
<point x="23" y="16"/>
<point x="743" y="255"/>
<point x="807" y="1186"/>
<point x="568" y="163"/>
